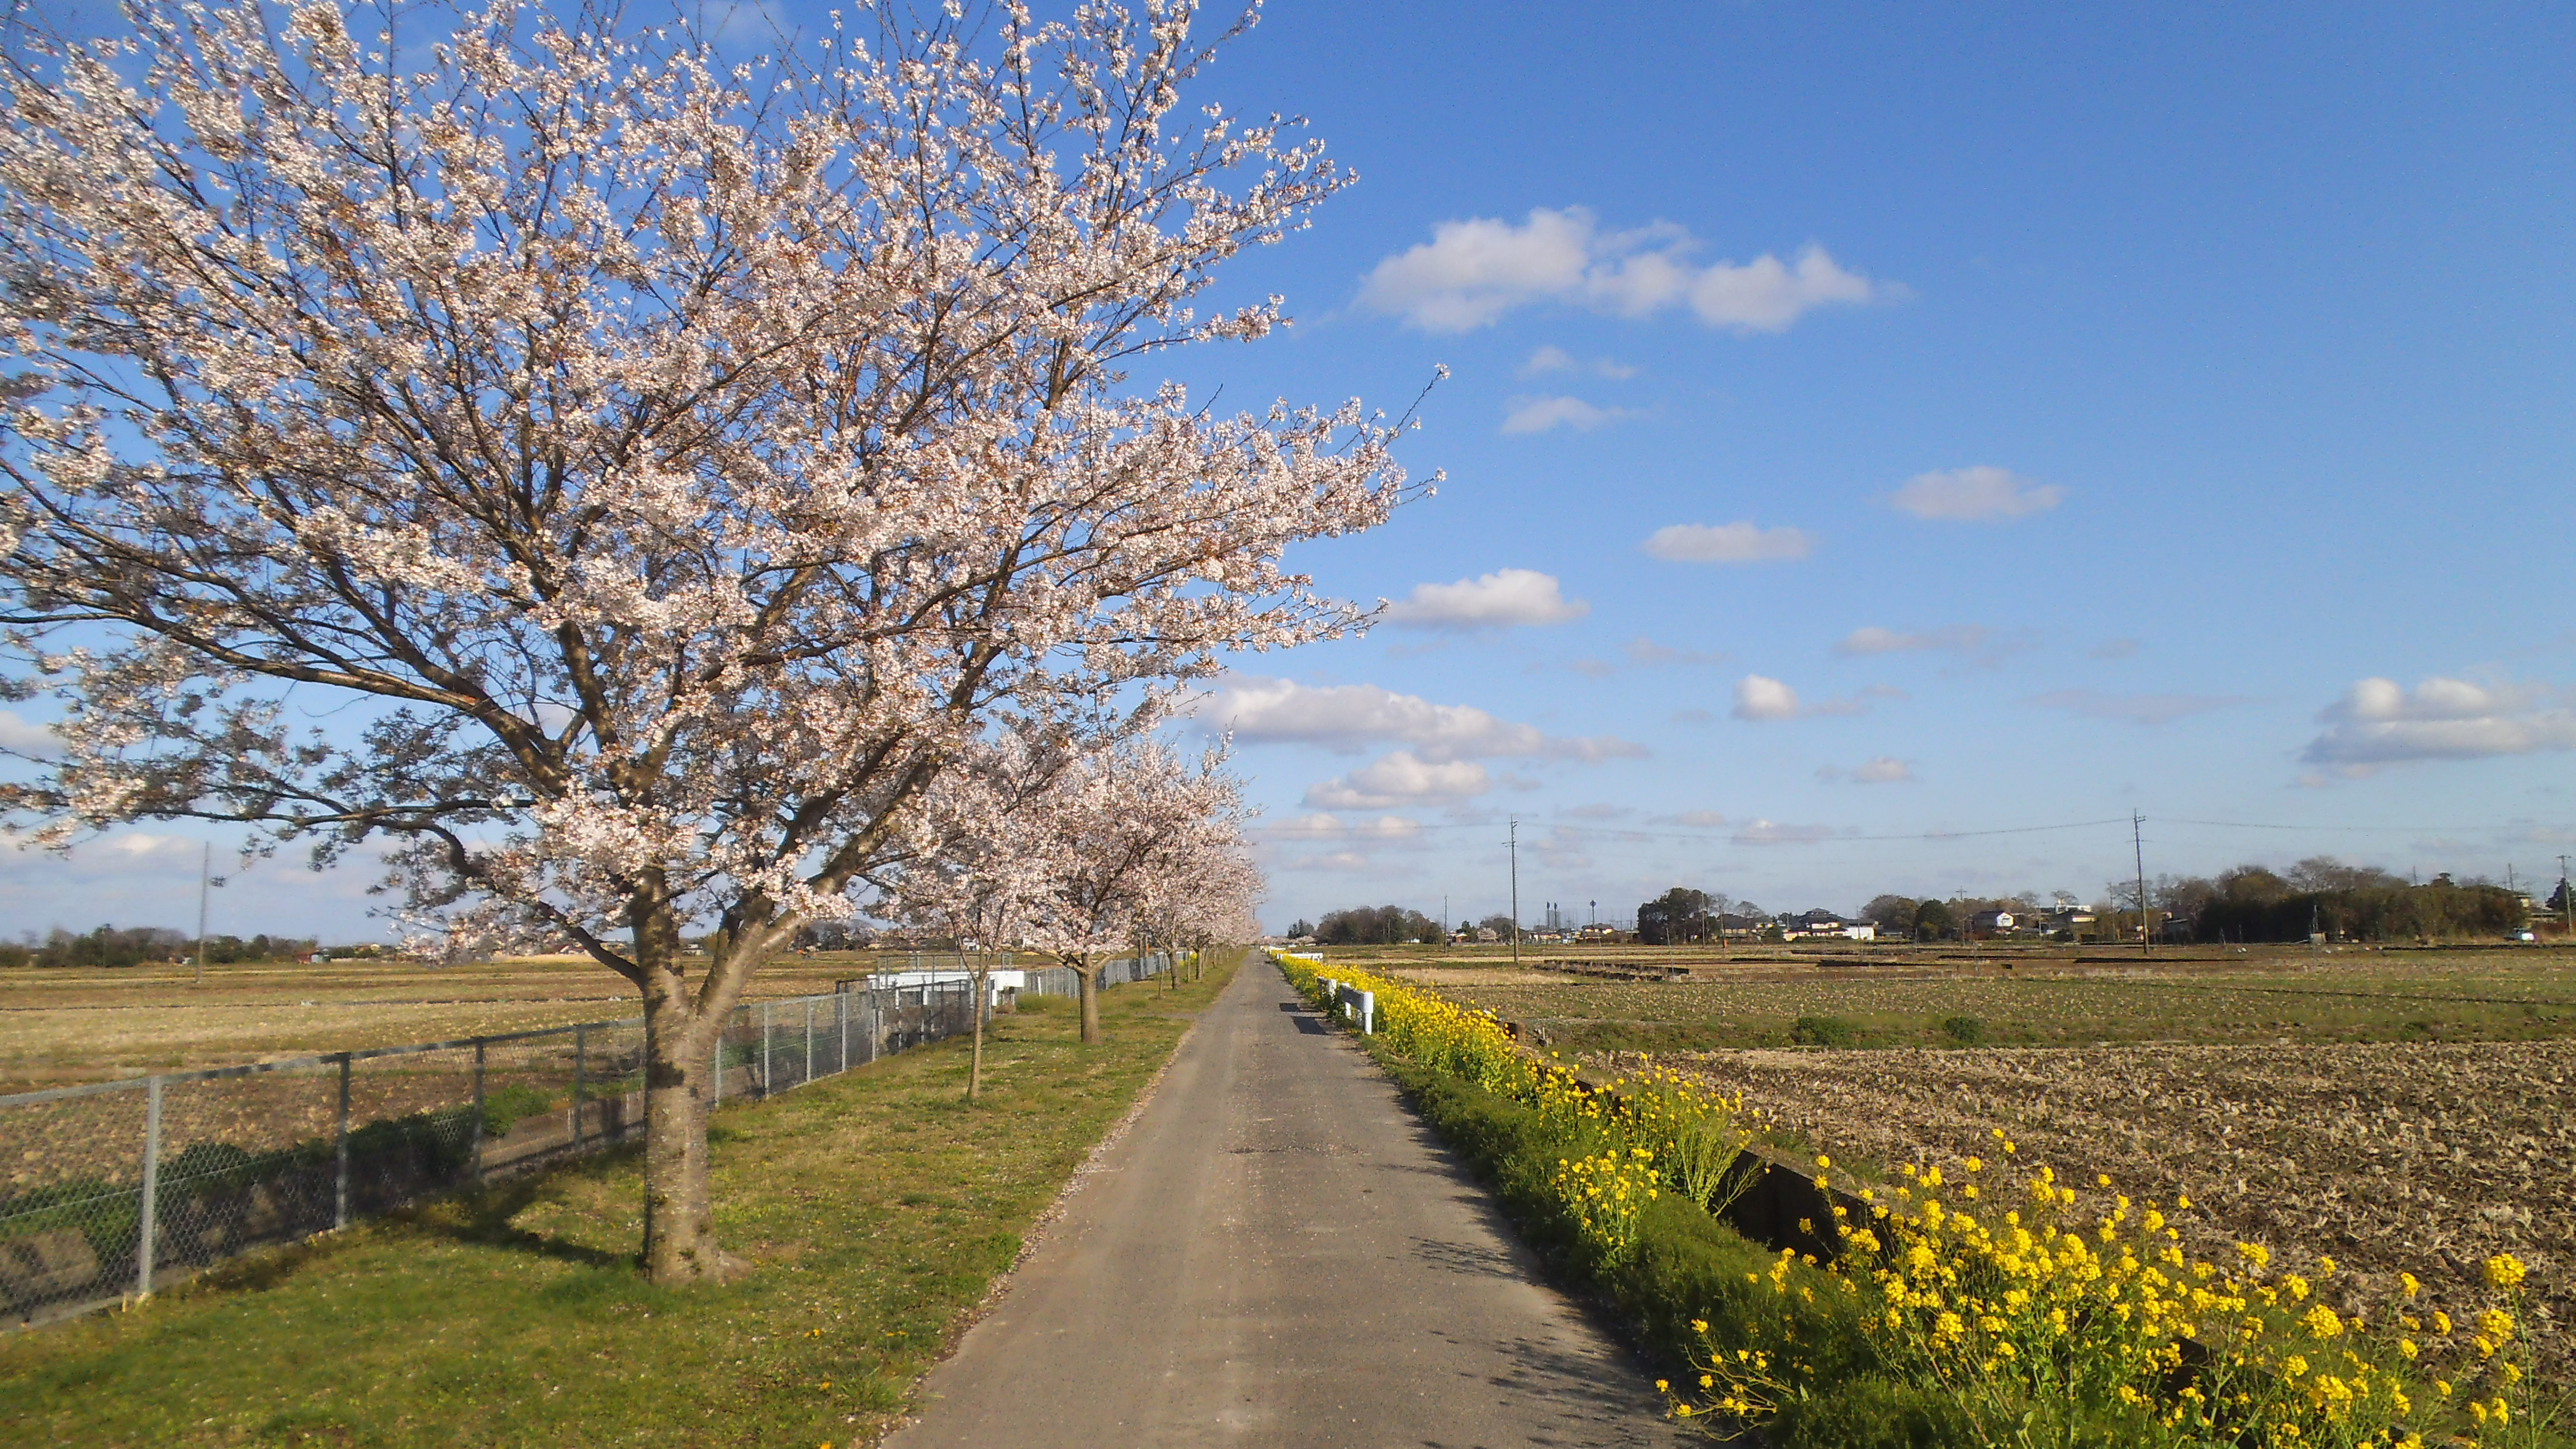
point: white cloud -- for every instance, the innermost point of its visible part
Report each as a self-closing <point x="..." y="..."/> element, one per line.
<point x="1400" y="778"/>
<point x="2378" y="722"/>
<point x="1642" y="650"/>
<point x="1557" y="359"/>
<point x="1472" y="272"/>
<point x="1727" y="543"/>
<point x="1498" y="600"/>
<point x="2141" y="709"/>
<point x="1767" y="832"/>
<point x="1700" y="818"/>
<point x="1881" y="770"/>
<point x="1343" y="862"/>
<point x="24" y="737"/>
<point x="1758" y="697"/>
<point x="1320" y="826"/>
<point x="1350" y="717"/>
<point x="1965" y="494"/>
<point x="1963" y="638"/>
<point x="1538" y="414"/>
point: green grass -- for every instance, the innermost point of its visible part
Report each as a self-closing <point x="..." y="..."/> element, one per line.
<point x="878" y="1208"/>
<point x="2507" y="997"/>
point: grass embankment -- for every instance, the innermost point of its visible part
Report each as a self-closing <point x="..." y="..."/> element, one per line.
<point x="878" y="1208"/>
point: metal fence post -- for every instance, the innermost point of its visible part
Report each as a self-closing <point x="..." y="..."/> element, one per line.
<point x="841" y="1015"/>
<point x="478" y="1111"/>
<point x="147" y="1220"/>
<point x="340" y="1153"/>
<point x="580" y="1079"/>
<point x="716" y="1099"/>
<point x="766" y="1080"/>
<point x="809" y="1038"/>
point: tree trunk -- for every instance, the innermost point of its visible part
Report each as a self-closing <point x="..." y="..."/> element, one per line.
<point x="680" y="1039"/>
<point x="1089" y="975"/>
<point x="975" y="1060"/>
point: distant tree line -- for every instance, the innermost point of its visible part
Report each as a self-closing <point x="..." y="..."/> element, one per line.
<point x="1373" y="926"/>
<point x="2343" y="902"/>
<point x="134" y="945"/>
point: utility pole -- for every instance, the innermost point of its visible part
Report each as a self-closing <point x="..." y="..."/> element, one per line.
<point x="1515" y="844"/>
<point x="2146" y="918"/>
<point x="2567" y="898"/>
<point x="205" y="878"/>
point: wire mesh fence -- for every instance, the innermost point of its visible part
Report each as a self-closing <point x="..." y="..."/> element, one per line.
<point x="115" y="1189"/>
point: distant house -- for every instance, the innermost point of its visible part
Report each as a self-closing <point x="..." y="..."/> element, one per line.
<point x="2075" y="922"/>
<point x="1860" y="930"/>
<point x="1488" y="933"/>
<point x="1813" y="923"/>
<point x="1992" y="923"/>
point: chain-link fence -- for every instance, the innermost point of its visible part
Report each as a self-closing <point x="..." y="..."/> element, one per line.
<point x="118" y="1188"/>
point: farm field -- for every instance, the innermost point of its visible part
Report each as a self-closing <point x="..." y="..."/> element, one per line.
<point x="2393" y="1111"/>
<point x="2424" y="1158"/>
<point x="62" y="1026"/>
<point x="2508" y="995"/>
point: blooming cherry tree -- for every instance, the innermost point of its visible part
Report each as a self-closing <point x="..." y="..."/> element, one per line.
<point x="619" y="479"/>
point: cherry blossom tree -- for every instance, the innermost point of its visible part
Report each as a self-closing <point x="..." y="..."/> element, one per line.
<point x="614" y="479"/>
<point x="1111" y="834"/>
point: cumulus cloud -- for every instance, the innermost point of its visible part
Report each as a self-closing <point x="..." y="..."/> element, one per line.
<point x="1351" y="717"/>
<point x="1557" y="359"/>
<point x="1966" y="494"/>
<point x="1400" y="778"/>
<point x="1538" y="414"/>
<point x="1769" y="832"/>
<point x="2379" y="722"/>
<point x="1472" y="272"/>
<point x="1727" y="543"/>
<point x="1881" y="770"/>
<point x="1760" y="697"/>
<point x="24" y="737"/>
<point x="2140" y="709"/>
<point x="1498" y="600"/>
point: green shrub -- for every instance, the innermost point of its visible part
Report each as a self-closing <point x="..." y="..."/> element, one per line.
<point x="1965" y="1030"/>
<point x="1825" y="1031"/>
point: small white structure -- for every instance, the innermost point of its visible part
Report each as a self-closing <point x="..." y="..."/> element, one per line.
<point x="996" y="982"/>
<point x="1861" y="931"/>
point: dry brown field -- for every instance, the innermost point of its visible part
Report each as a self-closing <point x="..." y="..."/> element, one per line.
<point x="59" y="1027"/>
<point x="2395" y="1111"/>
<point x="2423" y="1158"/>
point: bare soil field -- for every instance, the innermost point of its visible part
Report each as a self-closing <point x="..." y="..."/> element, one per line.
<point x="59" y="1027"/>
<point x="2387" y="1157"/>
<point x="2396" y="1111"/>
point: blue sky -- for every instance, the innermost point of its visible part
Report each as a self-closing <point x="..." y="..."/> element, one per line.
<point x="2037" y="414"/>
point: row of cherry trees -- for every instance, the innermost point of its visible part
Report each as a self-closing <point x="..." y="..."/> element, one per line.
<point x="1079" y="853"/>
<point x="632" y="486"/>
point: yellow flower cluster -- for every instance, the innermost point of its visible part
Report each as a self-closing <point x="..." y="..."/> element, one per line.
<point x="1690" y="1134"/>
<point x="2037" y="1308"/>
<point x="1605" y="1194"/>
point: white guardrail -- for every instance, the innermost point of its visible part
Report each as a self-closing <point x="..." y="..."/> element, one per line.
<point x="1353" y="1005"/>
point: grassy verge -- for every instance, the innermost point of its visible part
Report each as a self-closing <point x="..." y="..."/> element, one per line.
<point x="878" y="1206"/>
